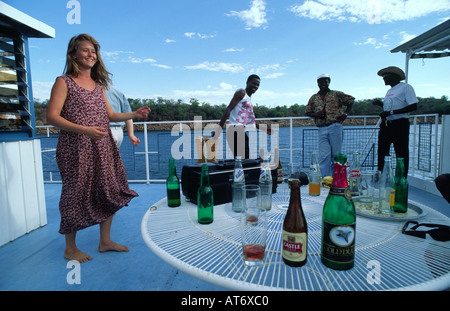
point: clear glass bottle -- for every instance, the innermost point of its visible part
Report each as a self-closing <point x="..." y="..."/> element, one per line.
<point x="387" y="188"/>
<point x="237" y="199"/>
<point x="265" y="184"/>
<point x="339" y="221"/>
<point x="205" y="198"/>
<point x="355" y="175"/>
<point x="173" y="186"/>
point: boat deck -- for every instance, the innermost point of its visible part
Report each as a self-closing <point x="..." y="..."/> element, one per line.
<point x="35" y="261"/>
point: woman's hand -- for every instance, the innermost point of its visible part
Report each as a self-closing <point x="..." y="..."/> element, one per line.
<point x="95" y="132"/>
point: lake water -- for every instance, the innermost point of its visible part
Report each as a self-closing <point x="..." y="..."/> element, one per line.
<point x="160" y="147"/>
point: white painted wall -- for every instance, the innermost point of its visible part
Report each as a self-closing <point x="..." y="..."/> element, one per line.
<point x="22" y="197"/>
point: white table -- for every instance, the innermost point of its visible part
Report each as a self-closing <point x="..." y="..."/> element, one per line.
<point x="385" y="259"/>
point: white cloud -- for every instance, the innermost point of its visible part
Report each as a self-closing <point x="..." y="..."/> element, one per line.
<point x="162" y="66"/>
<point x="254" y="17"/>
<point x="114" y="56"/>
<point x="169" y="41"/>
<point x="194" y="35"/>
<point x="405" y="36"/>
<point x="136" y="60"/>
<point x="126" y="57"/>
<point x="371" y="11"/>
<point x="233" y="50"/>
<point x="273" y="75"/>
<point x="374" y="42"/>
<point x="220" y="67"/>
<point x="270" y="71"/>
<point x="225" y="86"/>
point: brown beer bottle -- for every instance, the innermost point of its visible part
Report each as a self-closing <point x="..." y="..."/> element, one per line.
<point x="295" y="230"/>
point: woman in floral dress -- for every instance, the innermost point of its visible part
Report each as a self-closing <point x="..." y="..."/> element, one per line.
<point x="94" y="181"/>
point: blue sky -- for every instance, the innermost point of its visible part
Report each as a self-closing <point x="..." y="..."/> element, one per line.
<point x="205" y="49"/>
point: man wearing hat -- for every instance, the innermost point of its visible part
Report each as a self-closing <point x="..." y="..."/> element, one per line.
<point x="327" y="109"/>
<point x="399" y="101"/>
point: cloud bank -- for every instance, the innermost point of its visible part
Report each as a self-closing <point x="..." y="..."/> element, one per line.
<point x="371" y="11"/>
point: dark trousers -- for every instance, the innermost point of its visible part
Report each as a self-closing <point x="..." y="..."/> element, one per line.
<point x="236" y="150"/>
<point x="394" y="132"/>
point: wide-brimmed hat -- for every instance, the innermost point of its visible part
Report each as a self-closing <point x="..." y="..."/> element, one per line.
<point x="394" y="70"/>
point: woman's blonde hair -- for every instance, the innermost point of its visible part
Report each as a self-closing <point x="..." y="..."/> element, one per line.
<point x="98" y="72"/>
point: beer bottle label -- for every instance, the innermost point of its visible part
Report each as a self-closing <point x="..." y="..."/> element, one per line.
<point x="294" y="246"/>
<point x="338" y="242"/>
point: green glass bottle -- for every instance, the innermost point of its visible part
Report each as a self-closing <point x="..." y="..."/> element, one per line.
<point x="338" y="221"/>
<point x="401" y="188"/>
<point x="173" y="186"/>
<point x="205" y="198"/>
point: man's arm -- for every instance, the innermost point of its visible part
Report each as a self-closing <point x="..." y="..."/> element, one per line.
<point x="237" y="97"/>
<point x="409" y="108"/>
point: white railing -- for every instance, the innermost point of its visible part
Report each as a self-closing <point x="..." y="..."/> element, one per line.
<point x="368" y="122"/>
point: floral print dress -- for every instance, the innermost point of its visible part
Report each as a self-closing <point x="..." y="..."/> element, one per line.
<point x="94" y="180"/>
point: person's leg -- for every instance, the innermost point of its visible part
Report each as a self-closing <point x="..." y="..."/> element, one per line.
<point x="336" y="131"/>
<point x="105" y="238"/>
<point x="247" y="147"/>
<point x="401" y="141"/>
<point x="72" y="252"/>
<point x="236" y="139"/>
<point x="384" y="144"/>
<point x="324" y="152"/>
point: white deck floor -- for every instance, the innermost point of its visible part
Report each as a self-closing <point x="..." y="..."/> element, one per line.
<point x="35" y="261"/>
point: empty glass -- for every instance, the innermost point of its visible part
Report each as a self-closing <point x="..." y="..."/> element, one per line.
<point x="367" y="189"/>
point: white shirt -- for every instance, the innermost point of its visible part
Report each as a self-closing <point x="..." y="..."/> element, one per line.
<point x="397" y="97"/>
<point x="243" y="112"/>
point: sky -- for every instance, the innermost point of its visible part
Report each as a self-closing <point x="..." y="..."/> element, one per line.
<point x="206" y="49"/>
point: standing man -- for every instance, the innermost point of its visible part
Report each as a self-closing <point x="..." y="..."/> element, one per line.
<point x="242" y="118"/>
<point x="399" y="101"/>
<point x="326" y="107"/>
<point x="119" y="103"/>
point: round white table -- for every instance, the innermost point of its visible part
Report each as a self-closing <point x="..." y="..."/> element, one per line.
<point x="385" y="259"/>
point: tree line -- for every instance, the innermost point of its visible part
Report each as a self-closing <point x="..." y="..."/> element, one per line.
<point x="178" y="110"/>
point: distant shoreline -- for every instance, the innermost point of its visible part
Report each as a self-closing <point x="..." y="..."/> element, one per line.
<point x="281" y="123"/>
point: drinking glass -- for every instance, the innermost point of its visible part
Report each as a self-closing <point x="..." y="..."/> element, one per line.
<point x="252" y="197"/>
<point x="254" y="235"/>
<point x="367" y="189"/>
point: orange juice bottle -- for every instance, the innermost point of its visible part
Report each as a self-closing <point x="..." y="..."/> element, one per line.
<point x="314" y="175"/>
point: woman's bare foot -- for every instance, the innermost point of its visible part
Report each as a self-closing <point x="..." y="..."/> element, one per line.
<point x="112" y="246"/>
<point x="76" y="255"/>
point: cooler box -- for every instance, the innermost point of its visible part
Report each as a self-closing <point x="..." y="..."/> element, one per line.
<point x="221" y="178"/>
